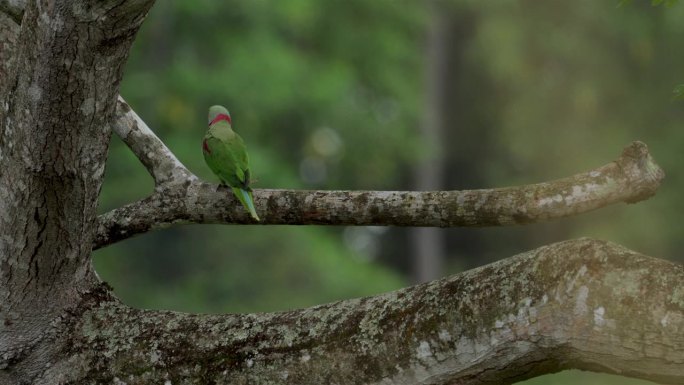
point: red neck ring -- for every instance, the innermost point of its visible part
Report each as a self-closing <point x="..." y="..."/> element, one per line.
<point x="220" y="117"/>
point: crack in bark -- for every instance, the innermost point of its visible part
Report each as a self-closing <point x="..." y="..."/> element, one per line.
<point x="33" y="257"/>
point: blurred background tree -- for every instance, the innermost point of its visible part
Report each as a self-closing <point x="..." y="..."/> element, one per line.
<point x="394" y="95"/>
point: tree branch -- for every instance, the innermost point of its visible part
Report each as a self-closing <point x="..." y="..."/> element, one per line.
<point x="159" y="161"/>
<point x="582" y="304"/>
<point x="181" y="198"/>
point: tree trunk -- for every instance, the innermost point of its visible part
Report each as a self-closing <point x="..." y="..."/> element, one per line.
<point x="60" y="83"/>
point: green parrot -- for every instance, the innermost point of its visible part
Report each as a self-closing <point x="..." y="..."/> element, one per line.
<point x="226" y="155"/>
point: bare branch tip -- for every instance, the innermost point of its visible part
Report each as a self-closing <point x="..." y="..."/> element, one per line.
<point x="641" y="169"/>
<point x="636" y="149"/>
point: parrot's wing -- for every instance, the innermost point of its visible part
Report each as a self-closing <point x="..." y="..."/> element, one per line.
<point x="239" y="151"/>
<point x="228" y="159"/>
<point x="221" y="160"/>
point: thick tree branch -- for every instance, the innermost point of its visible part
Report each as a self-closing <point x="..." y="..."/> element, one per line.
<point x="581" y="304"/>
<point x="632" y="177"/>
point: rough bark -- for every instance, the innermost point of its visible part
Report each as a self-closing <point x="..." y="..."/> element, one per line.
<point x="59" y="92"/>
<point x="14" y="9"/>
<point x="579" y="304"/>
<point x="9" y="30"/>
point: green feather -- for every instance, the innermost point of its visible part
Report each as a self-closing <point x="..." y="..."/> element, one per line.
<point x="226" y="155"/>
<point x="245" y="196"/>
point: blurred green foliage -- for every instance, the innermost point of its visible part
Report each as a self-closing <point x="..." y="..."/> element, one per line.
<point x="330" y="94"/>
<point x="311" y="86"/>
<point x="679" y="92"/>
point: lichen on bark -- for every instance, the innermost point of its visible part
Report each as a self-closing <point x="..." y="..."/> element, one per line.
<point x="549" y="309"/>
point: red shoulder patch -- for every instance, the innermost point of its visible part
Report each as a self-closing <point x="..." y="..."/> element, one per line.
<point x="205" y="147"/>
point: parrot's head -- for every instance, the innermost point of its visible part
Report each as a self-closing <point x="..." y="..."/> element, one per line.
<point x="218" y="113"/>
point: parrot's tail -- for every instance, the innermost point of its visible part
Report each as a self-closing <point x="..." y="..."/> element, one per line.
<point x="245" y="196"/>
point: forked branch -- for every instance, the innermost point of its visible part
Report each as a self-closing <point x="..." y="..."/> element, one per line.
<point x="181" y="198"/>
<point x="159" y="161"/>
